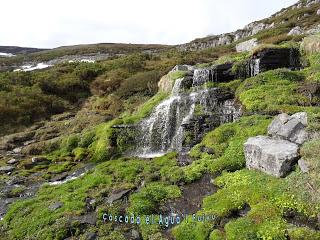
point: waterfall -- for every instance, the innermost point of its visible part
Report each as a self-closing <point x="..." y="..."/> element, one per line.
<point x="164" y="130"/>
<point x="255" y="67"/>
<point x="201" y="76"/>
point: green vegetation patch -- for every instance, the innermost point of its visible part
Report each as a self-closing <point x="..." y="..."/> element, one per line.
<point x="275" y="91"/>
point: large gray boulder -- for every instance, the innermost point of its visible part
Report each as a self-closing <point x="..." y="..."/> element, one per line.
<point x="272" y="156"/>
<point x="291" y="128"/>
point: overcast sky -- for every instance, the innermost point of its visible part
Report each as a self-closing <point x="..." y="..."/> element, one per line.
<point x="44" y="23"/>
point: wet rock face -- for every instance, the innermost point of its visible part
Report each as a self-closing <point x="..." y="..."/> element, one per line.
<point x="269" y="59"/>
<point x="192" y="110"/>
<point x="223" y="73"/>
<point x="274" y="157"/>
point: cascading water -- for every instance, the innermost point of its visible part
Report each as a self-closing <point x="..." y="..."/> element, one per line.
<point x="165" y="129"/>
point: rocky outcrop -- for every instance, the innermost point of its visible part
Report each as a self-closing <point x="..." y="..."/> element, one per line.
<point x="273" y="58"/>
<point x="165" y="84"/>
<point x="295" y="31"/>
<point x="277" y="153"/>
<point x="193" y="109"/>
<point x="274" y="157"/>
<point x="303" y="165"/>
<point x="227" y="38"/>
<point x="254" y="28"/>
<point x="292" y="128"/>
<point x="182" y="68"/>
<point x="6" y="169"/>
<point x="247" y="45"/>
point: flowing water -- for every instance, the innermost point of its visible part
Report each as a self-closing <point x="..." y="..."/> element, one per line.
<point x="165" y="129"/>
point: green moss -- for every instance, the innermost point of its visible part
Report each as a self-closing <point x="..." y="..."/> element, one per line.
<point x="267" y="197"/>
<point x="59" y="168"/>
<point x="69" y="143"/>
<point x="241" y="229"/>
<point x="257" y="94"/>
<point x="33" y="219"/>
<point x="303" y="233"/>
<point x="217" y="235"/>
<point x="176" y="75"/>
<point x="232" y="58"/>
<point x="79" y="153"/>
<point x="148" y="199"/>
<point x="191" y="231"/>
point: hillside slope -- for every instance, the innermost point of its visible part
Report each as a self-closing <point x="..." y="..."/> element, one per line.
<point x="158" y="132"/>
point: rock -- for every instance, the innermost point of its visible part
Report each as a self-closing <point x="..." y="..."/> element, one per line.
<point x="90" y="236"/>
<point x="318" y="12"/>
<point x="295" y="31"/>
<point x="302" y="117"/>
<point x="224" y="40"/>
<point x="17" y="150"/>
<point x="184" y="159"/>
<point x="273" y="58"/>
<point x="290" y="128"/>
<point x="13" y="161"/>
<point x="56" y="206"/>
<point x="135" y="234"/>
<point x="165" y="84"/>
<point x="258" y="28"/>
<point x="90" y="218"/>
<point x="117" y="196"/>
<point x="29" y="142"/>
<point x="247" y="45"/>
<point x="38" y="148"/>
<point x="6" y="169"/>
<point x="59" y="177"/>
<point x="182" y="68"/>
<point x="303" y="165"/>
<point x="274" y="157"/>
<point x="222" y="73"/>
<point x="207" y="150"/>
<point x="39" y="160"/>
<point x="12" y="141"/>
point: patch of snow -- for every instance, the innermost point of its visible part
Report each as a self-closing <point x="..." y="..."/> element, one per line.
<point x="28" y="68"/>
<point x="6" y="54"/>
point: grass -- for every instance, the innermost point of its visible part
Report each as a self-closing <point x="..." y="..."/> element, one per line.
<point x="33" y="219"/>
<point x="257" y="94"/>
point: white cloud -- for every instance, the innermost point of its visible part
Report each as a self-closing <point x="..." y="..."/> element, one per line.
<point x="41" y="23"/>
